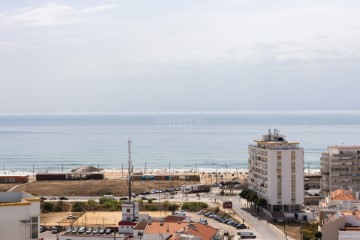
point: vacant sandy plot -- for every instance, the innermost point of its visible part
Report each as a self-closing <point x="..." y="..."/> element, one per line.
<point x="93" y="187"/>
<point x="4" y="187"/>
<point x="94" y="219"/>
<point x="115" y="183"/>
<point x="58" y="219"/>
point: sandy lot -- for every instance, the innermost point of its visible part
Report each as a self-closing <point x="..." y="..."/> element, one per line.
<point x="115" y="183"/>
<point x="92" y="187"/>
<point x="5" y="187"/>
<point x="95" y="219"/>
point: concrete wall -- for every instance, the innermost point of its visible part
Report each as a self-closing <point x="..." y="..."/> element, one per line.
<point x="10" y="226"/>
<point x="330" y="230"/>
<point x="272" y="178"/>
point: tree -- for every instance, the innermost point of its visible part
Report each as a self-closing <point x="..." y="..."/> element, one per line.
<point x="47" y="207"/>
<point x="92" y="205"/>
<point x="78" y="207"/>
<point x="318" y="235"/>
<point x="59" y="206"/>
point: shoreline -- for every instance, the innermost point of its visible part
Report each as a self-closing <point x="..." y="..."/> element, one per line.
<point x="153" y="171"/>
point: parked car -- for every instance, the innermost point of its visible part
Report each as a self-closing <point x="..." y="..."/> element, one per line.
<point x="89" y="230"/>
<point x="101" y="231"/>
<point x="108" y="231"/>
<point x="95" y="231"/>
<point x="246" y="234"/>
<point x="71" y="217"/>
<point x="240" y="226"/>
<point x="203" y="221"/>
<point x="55" y="230"/>
<point x="74" y="230"/>
<point x="63" y="198"/>
<point x="82" y="230"/>
<point x="42" y="229"/>
<point x="207" y="214"/>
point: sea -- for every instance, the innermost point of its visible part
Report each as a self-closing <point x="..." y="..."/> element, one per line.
<point x="44" y="143"/>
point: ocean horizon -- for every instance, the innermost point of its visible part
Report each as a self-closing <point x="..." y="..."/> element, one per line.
<point x="205" y="140"/>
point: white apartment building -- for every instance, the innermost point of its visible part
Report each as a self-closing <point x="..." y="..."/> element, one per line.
<point x="19" y="216"/>
<point x="276" y="172"/>
<point x="340" y="168"/>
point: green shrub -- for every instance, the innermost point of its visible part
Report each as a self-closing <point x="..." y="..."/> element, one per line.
<point x="60" y="206"/>
<point x="92" y="205"/>
<point x="193" y="206"/>
<point x="78" y="207"/>
<point x="151" y="208"/>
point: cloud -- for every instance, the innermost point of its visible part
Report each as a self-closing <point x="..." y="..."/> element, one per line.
<point x="48" y="15"/>
<point x="99" y="8"/>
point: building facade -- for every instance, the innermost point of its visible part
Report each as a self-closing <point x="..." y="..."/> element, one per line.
<point x="19" y="216"/>
<point x="276" y="172"/>
<point x="340" y="168"/>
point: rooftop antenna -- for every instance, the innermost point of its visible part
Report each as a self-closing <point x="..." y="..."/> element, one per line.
<point x="129" y="149"/>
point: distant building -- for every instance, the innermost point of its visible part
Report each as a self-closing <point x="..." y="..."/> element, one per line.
<point x="276" y="172"/>
<point x="340" y="168"/>
<point x="19" y="216"/>
<point x="69" y="176"/>
<point x="14" y="179"/>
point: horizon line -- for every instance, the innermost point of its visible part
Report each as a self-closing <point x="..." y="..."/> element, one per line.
<point x="183" y="112"/>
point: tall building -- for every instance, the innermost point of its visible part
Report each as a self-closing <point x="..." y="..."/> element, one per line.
<point x="276" y="172"/>
<point x="19" y="216"/>
<point x="340" y="168"/>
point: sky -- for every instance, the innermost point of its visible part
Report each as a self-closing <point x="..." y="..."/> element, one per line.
<point x="201" y="55"/>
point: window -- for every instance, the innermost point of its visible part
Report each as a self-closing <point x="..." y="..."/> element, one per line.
<point x="293" y="156"/>
<point x="34" y="228"/>
<point x="128" y="218"/>
<point x="128" y="210"/>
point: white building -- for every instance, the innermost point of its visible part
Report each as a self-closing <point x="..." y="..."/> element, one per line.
<point x="19" y="216"/>
<point x="340" y="168"/>
<point x="276" y="172"/>
<point x="343" y="225"/>
<point x="130" y="217"/>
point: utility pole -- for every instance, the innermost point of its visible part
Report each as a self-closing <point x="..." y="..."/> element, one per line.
<point x="122" y="170"/>
<point x="145" y="168"/>
<point x="129" y="149"/>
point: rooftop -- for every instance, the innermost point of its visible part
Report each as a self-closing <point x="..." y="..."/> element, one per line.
<point x="345" y="147"/>
<point x="141" y="225"/>
<point x="168" y="227"/>
<point x="8" y="199"/>
<point x="342" y="194"/>
<point x="204" y="232"/>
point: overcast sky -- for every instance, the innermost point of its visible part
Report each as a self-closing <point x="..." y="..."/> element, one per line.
<point x="225" y="55"/>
